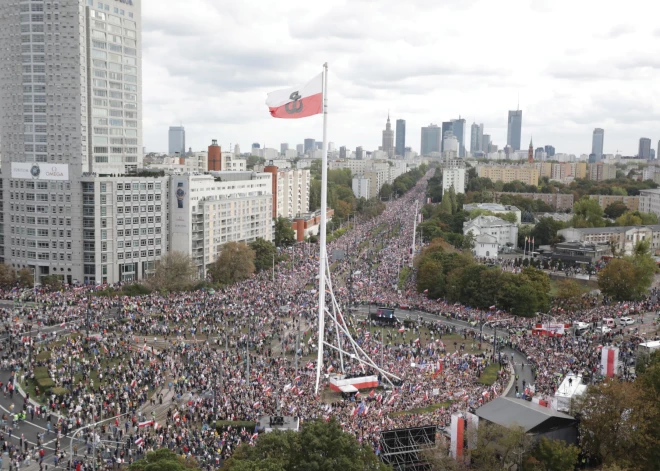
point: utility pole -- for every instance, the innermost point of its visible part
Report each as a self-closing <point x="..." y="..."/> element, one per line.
<point x="412" y="254"/>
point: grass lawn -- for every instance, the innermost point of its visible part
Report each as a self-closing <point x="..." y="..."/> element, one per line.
<point x="585" y="286"/>
<point x="422" y="410"/>
<point x="490" y="374"/>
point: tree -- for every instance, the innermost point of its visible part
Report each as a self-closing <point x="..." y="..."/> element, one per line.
<point x="320" y="445"/>
<point x="235" y="263"/>
<point x="7" y="275"/>
<point x="164" y="459"/>
<point x="616" y="424"/>
<point x="628" y="219"/>
<point x="616" y="209"/>
<point x="431" y="277"/>
<point x="587" y="213"/>
<point x="555" y="455"/>
<point x="174" y="272"/>
<point x="630" y="277"/>
<point x="25" y="277"/>
<point x="264" y="251"/>
<point x="498" y="447"/>
<point x="445" y="204"/>
<point x="469" y="241"/>
<point x="545" y="231"/>
<point x="385" y="191"/>
<point x="284" y="233"/>
<point x="569" y="294"/>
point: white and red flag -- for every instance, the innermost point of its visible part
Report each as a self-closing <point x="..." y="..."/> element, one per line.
<point x="145" y="424"/>
<point x="297" y="102"/>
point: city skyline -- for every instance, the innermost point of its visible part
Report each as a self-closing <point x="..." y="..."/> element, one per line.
<point x="586" y="78"/>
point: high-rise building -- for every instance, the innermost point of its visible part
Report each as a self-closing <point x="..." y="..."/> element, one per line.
<point x="310" y="146"/>
<point x="359" y="153"/>
<point x="476" y="138"/>
<point x="431" y="139"/>
<point x="458" y="129"/>
<point x="539" y="154"/>
<point x="447" y="127"/>
<point x="290" y="191"/>
<point x="528" y="175"/>
<point x="342" y="152"/>
<point x="283" y="148"/>
<point x="388" y="138"/>
<point x="300" y="149"/>
<point x="644" y="148"/>
<point x="550" y="151"/>
<point x="454" y="176"/>
<point x="177" y="140"/>
<point x="401" y="137"/>
<point x="514" y="129"/>
<point x="597" y="141"/>
<point x="80" y="81"/>
<point x="658" y="154"/>
<point x="601" y="171"/>
<point x="485" y="144"/>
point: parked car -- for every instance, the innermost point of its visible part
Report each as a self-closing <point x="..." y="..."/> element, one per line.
<point x="605" y="330"/>
<point x="626" y="321"/>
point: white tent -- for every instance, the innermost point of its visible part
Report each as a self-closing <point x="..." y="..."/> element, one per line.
<point x="568" y="389"/>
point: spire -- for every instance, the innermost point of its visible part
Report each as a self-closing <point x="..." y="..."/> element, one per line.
<point x="531" y="144"/>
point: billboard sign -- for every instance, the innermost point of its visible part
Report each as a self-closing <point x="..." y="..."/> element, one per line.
<point x="37" y="171"/>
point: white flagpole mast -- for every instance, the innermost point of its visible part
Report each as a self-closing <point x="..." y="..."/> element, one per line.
<point x="322" y="249"/>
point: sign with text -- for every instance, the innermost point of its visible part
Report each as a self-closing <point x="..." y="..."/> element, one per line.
<point x="36" y="171"/>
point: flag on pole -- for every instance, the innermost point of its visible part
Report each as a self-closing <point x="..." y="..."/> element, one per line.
<point x="297" y="102"/>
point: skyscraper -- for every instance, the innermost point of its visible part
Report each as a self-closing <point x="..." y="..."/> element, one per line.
<point x="401" y="137"/>
<point x="300" y="149"/>
<point x="447" y="126"/>
<point x="514" y="129"/>
<point x="431" y="138"/>
<point x="342" y="152"/>
<point x="597" y="141"/>
<point x="359" y="153"/>
<point x="177" y="140"/>
<point x="283" y="148"/>
<point x="458" y="128"/>
<point x="81" y="81"/>
<point x="476" y="137"/>
<point x="388" y="138"/>
<point x="310" y="146"/>
<point x="485" y="143"/>
<point x="550" y="151"/>
<point x="644" y="148"/>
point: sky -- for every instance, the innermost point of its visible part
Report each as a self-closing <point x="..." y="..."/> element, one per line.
<point x="574" y="65"/>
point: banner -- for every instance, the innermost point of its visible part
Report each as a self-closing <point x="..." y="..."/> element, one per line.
<point x="36" y="171"/>
<point x="609" y="361"/>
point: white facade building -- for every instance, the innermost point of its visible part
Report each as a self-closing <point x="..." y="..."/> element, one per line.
<point x="485" y="245"/>
<point x="206" y="213"/>
<point x="504" y="232"/>
<point x="71" y="112"/>
<point x="453" y="177"/>
<point x="361" y="187"/>
<point x="291" y="188"/>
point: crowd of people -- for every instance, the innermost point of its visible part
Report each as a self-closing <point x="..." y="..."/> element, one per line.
<point x="161" y="369"/>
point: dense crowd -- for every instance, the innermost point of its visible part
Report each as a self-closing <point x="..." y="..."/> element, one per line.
<point x="250" y="350"/>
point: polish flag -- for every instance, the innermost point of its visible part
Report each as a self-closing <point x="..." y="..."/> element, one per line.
<point x="133" y="383"/>
<point x="372" y="393"/>
<point x="175" y="415"/>
<point x="297" y="102"/>
<point x="145" y="424"/>
<point x="402" y="329"/>
<point x="139" y="441"/>
<point x="331" y="369"/>
<point x="254" y="436"/>
<point x="63" y="324"/>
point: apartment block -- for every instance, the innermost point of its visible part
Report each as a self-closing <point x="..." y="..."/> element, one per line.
<point x="631" y="202"/>
<point x="290" y="189"/>
<point x="508" y="174"/>
<point x="559" y="201"/>
<point x="600" y="171"/>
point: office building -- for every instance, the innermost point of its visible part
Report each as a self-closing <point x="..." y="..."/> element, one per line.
<point x="644" y="151"/>
<point x="401" y="137"/>
<point x="550" y="151"/>
<point x="359" y="153"/>
<point x="388" y="139"/>
<point x="476" y="138"/>
<point x="431" y="139"/>
<point x="597" y="143"/>
<point x="539" y="154"/>
<point x="447" y="127"/>
<point x="453" y="177"/>
<point x="177" y="140"/>
<point x="79" y="122"/>
<point x="451" y="146"/>
<point x="256" y="149"/>
<point x="310" y="146"/>
<point x="300" y="149"/>
<point x="290" y="190"/>
<point x="207" y="211"/>
<point x="361" y="187"/>
<point x="342" y="152"/>
<point x="507" y="174"/>
<point x="458" y="129"/>
<point x="485" y="144"/>
<point x="514" y="129"/>
<point x="283" y="148"/>
<point x="656" y="155"/>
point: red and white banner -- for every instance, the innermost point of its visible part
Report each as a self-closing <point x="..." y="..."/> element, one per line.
<point x="145" y="424"/>
<point x="297" y="102"/>
<point x="457" y="435"/>
<point x="609" y="361"/>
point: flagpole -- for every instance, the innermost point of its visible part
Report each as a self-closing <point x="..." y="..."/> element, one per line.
<point x="322" y="248"/>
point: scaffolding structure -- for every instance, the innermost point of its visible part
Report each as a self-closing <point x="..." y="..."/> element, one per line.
<point x="403" y="448"/>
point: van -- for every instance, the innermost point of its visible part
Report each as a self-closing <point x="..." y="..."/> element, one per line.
<point x="609" y="322"/>
<point x="580" y="326"/>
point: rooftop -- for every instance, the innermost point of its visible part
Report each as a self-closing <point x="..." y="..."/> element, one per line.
<point x="487" y="221"/>
<point x="489" y="207"/>
<point x="613" y="229"/>
<point x="507" y="411"/>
